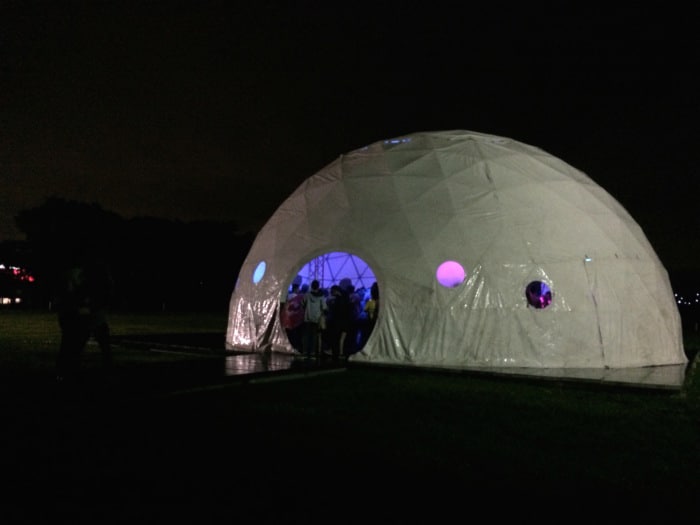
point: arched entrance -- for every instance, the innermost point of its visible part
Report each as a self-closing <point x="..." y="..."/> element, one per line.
<point x="349" y="272"/>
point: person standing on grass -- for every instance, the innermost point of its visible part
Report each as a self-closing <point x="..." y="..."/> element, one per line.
<point x="82" y="299"/>
<point x="314" y="309"/>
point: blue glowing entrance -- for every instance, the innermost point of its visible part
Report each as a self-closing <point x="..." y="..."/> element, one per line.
<point x="336" y="267"/>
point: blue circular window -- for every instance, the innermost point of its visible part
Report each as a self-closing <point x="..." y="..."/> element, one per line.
<point x="450" y="274"/>
<point x="538" y="294"/>
<point x="259" y="272"/>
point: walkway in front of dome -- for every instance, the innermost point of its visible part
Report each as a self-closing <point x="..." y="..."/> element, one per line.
<point x="213" y="366"/>
<point x="239" y="367"/>
<point x="258" y="367"/>
<point x="669" y="377"/>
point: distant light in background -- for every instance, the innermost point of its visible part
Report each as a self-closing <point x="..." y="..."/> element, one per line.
<point x="689" y="301"/>
<point x="17" y="273"/>
<point x="14" y="284"/>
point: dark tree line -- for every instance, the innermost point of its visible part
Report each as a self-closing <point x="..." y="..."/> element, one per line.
<point x="156" y="264"/>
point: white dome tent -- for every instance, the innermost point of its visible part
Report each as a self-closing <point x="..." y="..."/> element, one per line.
<point x="488" y="252"/>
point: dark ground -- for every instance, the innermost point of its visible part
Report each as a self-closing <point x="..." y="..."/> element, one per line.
<point x="181" y="441"/>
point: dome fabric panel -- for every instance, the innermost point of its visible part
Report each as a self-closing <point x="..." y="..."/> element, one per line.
<point x="509" y="214"/>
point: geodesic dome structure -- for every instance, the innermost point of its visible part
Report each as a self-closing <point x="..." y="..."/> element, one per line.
<point x="487" y="252"/>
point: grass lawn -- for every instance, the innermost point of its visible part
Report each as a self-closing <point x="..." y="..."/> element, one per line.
<point x="367" y="443"/>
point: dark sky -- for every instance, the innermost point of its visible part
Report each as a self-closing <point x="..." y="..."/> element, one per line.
<point x="215" y="111"/>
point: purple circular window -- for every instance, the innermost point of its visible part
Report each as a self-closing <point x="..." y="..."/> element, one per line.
<point x="450" y="274"/>
<point x="538" y="294"/>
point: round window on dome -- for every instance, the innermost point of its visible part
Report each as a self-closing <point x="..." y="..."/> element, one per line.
<point x="259" y="272"/>
<point x="538" y="294"/>
<point x="450" y="274"/>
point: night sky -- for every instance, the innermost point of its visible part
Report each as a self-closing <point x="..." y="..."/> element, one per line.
<point x="217" y="111"/>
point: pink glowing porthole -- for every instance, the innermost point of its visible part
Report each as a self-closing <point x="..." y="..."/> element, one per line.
<point x="450" y="274"/>
<point x="538" y="294"/>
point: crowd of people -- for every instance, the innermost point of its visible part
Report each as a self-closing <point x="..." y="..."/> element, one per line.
<point x="334" y="322"/>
